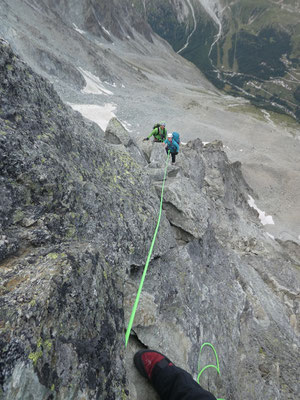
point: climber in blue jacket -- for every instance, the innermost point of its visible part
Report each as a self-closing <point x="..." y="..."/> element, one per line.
<point x="171" y="146"/>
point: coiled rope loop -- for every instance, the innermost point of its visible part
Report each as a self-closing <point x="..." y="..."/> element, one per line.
<point x="217" y="367"/>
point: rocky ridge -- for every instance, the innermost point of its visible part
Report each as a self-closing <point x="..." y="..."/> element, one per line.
<point x="78" y="210"/>
<point x="62" y="206"/>
<point x="103" y="78"/>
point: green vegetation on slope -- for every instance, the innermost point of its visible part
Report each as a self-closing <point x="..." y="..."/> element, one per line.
<point x="261" y="42"/>
<point x="162" y="17"/>
<point x="258" y="52"/>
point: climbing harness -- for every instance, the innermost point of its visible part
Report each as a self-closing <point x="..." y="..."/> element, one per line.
<point x="217" y="367"/>
<point x="134" y="308"/>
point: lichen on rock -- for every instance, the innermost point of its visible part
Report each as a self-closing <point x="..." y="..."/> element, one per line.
<point x="77" y="216"/>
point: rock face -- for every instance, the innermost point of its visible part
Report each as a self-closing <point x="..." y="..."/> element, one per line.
<point x="78" y="211"/>
<point x="70" y="230"/>
<point x="118" y="17"/>
<point x="39" y="30"/>
<point x="225" y="283"/>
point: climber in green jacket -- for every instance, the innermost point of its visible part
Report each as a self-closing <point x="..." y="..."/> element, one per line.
<point x="159" y="132"/>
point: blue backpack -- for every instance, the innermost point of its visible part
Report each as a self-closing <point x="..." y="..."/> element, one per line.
<point x="176" y="137"/>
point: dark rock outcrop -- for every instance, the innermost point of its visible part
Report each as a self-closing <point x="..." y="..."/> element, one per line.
<point x="75" y="213"/>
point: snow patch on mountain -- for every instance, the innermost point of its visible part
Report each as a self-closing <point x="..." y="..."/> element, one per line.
<point x="194" y="28"/>
<point x="213" y="8"/>
<point x="78" y="30"/>
<point x="93" y="84"/>
<point x="101" y="115"/>
<point x="264" y="219"/>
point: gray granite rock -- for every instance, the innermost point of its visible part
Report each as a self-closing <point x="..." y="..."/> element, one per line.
<point x="115" y="133"/>
<point x="75" y="214"/>
<point x="77" y="217"/>
<point x="225" y="283"/>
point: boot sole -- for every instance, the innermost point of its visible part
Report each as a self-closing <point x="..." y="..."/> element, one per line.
<point x="139" y="363"/>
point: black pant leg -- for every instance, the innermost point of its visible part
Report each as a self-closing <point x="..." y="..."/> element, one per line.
<point x="173" y="157"/>
<point x="173" y="383"/>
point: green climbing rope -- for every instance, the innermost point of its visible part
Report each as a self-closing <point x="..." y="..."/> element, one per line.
<point x="134" y="308"/>
<point x="217" y="367"/>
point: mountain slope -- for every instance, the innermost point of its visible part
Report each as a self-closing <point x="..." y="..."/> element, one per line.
<point x="78" y="209"/>
<point x="142" y="81"/>
<point x="248" y="48"/>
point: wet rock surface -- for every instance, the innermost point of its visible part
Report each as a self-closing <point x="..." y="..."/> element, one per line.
<point x="77" y="216"/>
